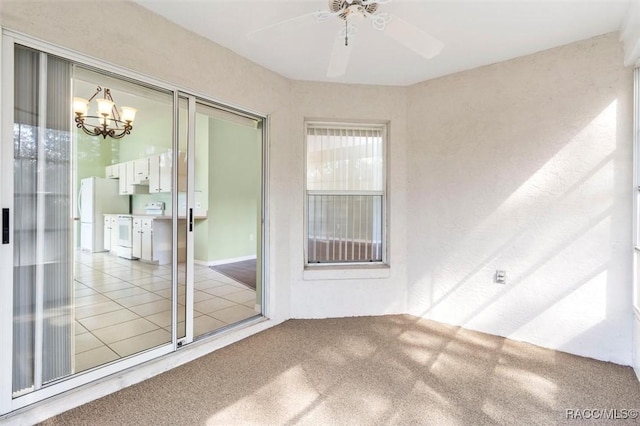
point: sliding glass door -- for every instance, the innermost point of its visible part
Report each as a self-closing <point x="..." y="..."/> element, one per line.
<point x="125" y="234"/>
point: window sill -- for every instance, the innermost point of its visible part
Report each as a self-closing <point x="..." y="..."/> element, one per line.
<point x="347" y="272"/>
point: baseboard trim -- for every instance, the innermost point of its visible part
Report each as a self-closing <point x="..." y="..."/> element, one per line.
<point x="224" y="261"/>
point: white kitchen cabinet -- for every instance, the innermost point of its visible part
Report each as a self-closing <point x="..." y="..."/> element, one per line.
<point x="110" y="232"/>
<point x="112" y="171"/>
<point x="147" y="240"/>
<point x="123" y="185"/>
<point x="160" y="167"/>
<point x="114" y="233"/>
<point x="107" y="233"/>
<point x="127" y="184"/>
<point x="136" y="243"/>
<point x="130" y="178"/>
<point x="154" y="173"/>
<point x="151" y="239"/>
<point x="141" y="170"/>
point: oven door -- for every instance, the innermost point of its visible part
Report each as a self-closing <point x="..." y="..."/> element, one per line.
<point x="125" y="229"/>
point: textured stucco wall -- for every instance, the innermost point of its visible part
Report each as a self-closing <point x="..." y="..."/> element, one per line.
<point x="125" y="34"/>
<point x="320" y="298"/>
<point x="526" y="166"/>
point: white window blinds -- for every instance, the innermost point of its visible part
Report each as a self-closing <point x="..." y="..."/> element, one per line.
<point x="345" y="193"/>
<point x="344" y="159"/>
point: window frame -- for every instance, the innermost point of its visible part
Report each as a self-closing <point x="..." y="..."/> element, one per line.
<point x="383" y="126"/>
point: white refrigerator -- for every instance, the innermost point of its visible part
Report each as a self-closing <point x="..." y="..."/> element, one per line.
<point x="98" y="196"/>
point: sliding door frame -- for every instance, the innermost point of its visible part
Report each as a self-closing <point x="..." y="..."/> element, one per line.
<point x="6" y="202"/>
<point x="192" y="106"/>
<point x="8" y="40"/>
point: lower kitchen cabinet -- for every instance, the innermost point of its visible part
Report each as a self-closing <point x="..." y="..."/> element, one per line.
<point x="136" y="239"/>
<point x="110" y="232"/>
<point x="152" y="239"/>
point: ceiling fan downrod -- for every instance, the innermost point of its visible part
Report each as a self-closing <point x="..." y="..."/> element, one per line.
<point x="346" y="33"/>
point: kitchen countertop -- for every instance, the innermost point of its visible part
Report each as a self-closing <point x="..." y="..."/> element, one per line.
<point x="153" y="216"/>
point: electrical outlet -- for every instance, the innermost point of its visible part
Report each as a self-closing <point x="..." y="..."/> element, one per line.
<point x="500" y="277"/>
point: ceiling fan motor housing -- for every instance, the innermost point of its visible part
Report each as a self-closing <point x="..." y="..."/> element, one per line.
<point x="345" y="6"/>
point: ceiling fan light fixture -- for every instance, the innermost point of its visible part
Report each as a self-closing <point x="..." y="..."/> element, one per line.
<point x="355" y="11"/>
<point x="346" y="9"/>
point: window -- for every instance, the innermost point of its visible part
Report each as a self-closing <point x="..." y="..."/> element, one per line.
<point x="345" y="193"/>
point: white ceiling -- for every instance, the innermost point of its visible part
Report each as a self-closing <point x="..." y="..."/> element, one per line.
<point x="474" y="32"/>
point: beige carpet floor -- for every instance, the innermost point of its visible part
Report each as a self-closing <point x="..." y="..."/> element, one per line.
<point x="371" y="370"/>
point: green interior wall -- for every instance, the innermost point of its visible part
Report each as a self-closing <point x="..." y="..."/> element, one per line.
<point x="234" y="189"/>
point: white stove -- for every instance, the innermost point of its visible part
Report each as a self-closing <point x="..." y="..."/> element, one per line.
<point x="155" y="208"/>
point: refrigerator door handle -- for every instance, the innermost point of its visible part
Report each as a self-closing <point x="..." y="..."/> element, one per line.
<point x="79" y="200"/>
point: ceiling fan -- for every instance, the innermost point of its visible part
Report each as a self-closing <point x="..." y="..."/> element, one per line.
<point x="350" y="11"/>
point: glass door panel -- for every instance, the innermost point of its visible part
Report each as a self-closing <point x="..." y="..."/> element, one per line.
<point x="227" y="211"/>
<point x="123" y="237"/>
<point x="92" y="275"/>
<point x="219" y="219"/>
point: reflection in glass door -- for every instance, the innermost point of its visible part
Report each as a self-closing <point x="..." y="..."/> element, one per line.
<point x="91" y="231"/>
<point x="223" y="218"/>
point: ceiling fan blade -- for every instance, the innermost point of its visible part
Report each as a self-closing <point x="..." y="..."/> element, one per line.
<point x="413" y="38"/>
<point x="311" y="17"/>
<point x="339" y="56"/>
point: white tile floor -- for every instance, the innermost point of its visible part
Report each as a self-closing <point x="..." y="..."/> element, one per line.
<point x="124" y="306"/>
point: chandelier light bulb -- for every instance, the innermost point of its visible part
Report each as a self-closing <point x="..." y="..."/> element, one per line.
<point x="104" y="106"/>
<point x="128" y="114"/>
<point x="80" y="106"/>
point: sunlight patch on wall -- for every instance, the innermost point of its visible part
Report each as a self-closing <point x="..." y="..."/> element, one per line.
<point x="540" y="222"/>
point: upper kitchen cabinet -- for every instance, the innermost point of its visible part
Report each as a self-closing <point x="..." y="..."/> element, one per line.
<point x="141" y="171"/>
<point x="112" y="171"/>
<point x="127" y="181"/>
<point x="160" y="167"/>
<point x="147" y="175"/>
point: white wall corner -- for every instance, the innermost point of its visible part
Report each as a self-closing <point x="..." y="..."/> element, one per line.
<point x="630" y="35"/>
